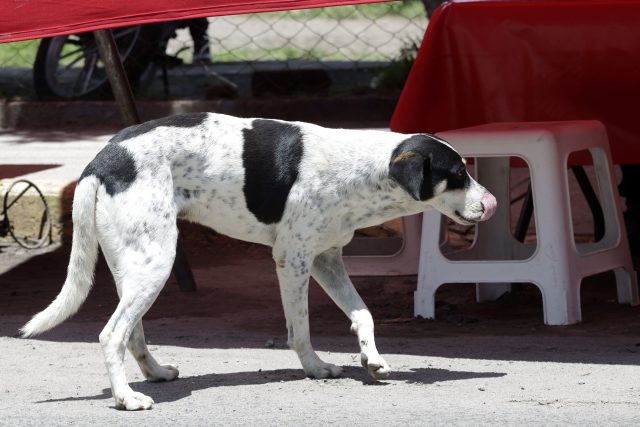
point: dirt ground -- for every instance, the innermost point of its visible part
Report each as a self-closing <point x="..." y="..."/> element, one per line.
<point x="476" y="364"/>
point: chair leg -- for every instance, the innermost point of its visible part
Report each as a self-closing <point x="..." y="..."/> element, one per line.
<point x="561" y="304"/>
<point x="424" y="303"/>
<point x="493" y="238"/>
<point x="525" y="216"/>
<point x="626" y="286"/>
<point x="592" y="201"/>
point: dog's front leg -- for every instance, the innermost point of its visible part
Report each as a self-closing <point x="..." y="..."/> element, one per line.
<point x="293" y="275"/>
<point x="328" y="270"/>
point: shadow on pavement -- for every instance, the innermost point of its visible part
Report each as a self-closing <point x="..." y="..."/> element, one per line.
<point x="184" y="387"/>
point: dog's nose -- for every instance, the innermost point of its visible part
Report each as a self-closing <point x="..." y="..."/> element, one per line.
<point x="489" y="203"/>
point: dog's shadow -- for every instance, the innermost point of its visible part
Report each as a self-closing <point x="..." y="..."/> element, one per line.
<point x="184" y="387"/>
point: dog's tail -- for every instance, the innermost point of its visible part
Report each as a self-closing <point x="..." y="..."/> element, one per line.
<point x="84" y="253"/>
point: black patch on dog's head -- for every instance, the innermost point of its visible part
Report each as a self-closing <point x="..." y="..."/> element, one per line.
<point x="271" y="157"/>
<point x="114" y="167"/>
<point x="421" y="162"/>
<point x="180" y="120"/>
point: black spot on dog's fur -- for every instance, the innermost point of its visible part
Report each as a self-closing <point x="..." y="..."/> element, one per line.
<point x="114" y="167"/>
<point x="420" y="162"/>
<point x="180" y="120"/>
<point x="271" y="157"/>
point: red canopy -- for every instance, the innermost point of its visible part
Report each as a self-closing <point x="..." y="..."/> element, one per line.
<point x="31" y="19"/>
<point x="500" y="61"/>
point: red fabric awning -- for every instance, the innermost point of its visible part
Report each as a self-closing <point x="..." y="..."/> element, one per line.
<point x="505" y="61"/>
<point x="31" y="19"/>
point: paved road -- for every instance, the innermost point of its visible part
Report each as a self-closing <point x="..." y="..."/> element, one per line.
<point x="228" y="339"/>
<point x="231" y="379"/>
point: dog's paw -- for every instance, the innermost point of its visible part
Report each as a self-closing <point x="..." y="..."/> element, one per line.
<point x="321" y="370"/>
<point x="163" y="373"/>
<point x="134" y="401"/>
<point x="377" y="367"/>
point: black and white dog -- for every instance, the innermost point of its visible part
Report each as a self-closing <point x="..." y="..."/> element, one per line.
<point x="299" y="188"/>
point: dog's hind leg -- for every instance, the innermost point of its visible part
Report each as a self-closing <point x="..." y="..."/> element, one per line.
<point x="328" y="270"/>
<point x="137" y="345"/>
<point x="151" y="369"/>
<point x="139" y="290"/>
<point x="141" y="257"/>
<point x="293" y="276"/>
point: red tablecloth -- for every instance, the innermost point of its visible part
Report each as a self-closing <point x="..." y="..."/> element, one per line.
<point x="498" y="61"/>
<point x="30" y="19"/>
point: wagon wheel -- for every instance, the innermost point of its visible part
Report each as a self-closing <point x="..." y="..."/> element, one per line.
<point x="70" y="67"/>
<point x="27" y="215"/>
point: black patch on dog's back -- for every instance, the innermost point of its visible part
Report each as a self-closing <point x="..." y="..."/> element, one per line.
<point x="271" y="157"/>
<point x="114" y="167"/>
<point x="180" y="120"/>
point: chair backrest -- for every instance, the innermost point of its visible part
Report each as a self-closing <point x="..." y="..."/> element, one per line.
<point x="497" y="61"/>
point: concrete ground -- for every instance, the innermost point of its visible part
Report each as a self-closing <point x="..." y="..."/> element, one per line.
<point x="477" y="364"/>
<point x="230" y="378"/>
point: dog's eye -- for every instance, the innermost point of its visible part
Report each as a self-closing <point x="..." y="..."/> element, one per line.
<point x="460" y="172"/>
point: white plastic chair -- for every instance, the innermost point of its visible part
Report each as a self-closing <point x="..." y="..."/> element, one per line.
<point x="556" y="264"/>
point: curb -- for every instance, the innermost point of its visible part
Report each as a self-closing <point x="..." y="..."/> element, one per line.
<point x="349" y="111"/>
<point x="25" y="215"/>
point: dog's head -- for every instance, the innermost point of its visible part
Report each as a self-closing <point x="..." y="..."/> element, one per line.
<point x="433" y="172"/>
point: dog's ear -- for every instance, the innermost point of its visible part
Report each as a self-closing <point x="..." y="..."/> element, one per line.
<point x="412" y="170"/>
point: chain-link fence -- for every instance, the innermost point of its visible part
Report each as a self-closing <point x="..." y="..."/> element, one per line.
<point x="347" y="48"/>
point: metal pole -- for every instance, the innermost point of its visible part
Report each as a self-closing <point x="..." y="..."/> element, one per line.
<point x="127" y="106"/>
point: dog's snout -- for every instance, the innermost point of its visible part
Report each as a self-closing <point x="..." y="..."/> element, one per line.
<point x="489" y="204"/>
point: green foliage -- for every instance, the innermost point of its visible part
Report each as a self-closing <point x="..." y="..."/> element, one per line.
<point x="405" y="8"/>
<point x="18" y="54"/>
<point x="395" y="75"/>
<point x="287" y="53"/>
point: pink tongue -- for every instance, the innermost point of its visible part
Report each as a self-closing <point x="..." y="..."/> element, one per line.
<point x="489" y="202"/>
